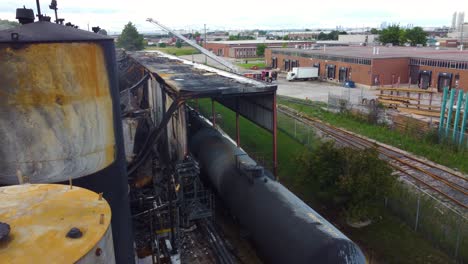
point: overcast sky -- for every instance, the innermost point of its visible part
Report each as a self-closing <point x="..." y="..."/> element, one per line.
<point x="245" y="14"/>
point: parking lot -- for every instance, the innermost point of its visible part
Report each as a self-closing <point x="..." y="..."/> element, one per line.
<point x="319" y="91"/>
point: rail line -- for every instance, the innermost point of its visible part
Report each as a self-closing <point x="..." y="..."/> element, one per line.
<point x="450" y="185"/>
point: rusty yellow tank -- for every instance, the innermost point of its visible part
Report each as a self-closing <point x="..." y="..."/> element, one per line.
<point x="51" y="223"/>
<point x="60" y="116"/>
<point x="55" y="111"/>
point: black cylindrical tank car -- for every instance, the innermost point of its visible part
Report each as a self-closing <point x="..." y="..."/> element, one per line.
<point x="283" y="228"/>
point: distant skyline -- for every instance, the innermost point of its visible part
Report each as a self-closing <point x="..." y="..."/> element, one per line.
<point x="112" y="15"/>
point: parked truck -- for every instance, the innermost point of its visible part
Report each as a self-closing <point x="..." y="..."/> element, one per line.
<point x="302" y="73"/>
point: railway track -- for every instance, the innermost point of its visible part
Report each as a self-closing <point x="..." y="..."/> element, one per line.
<point x="451" y="186"/>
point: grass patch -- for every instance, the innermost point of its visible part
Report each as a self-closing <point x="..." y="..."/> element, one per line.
<point x="257" y="141"/>
<point x="391" y="241"/>
<point x="260" y="65"/>
<point x="175" y="51"/>
<point x="388" y="240"/>
<point x="440" y="153"/>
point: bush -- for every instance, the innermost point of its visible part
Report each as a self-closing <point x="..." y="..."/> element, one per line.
<point x="356" y="181"/>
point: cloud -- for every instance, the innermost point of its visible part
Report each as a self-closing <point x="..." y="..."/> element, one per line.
<point x="245" y="14"/>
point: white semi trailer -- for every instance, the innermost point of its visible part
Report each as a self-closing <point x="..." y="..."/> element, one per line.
<point x="302" y="73"/>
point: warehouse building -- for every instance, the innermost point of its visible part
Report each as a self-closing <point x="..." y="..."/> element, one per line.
<point x="248" y="48"/>
<point x="370" y="66"/>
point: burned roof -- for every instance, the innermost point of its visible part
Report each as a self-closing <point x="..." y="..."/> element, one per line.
<point x="192" y="80"/>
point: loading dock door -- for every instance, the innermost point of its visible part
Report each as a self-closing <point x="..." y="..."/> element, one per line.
<point x="343" y="75"/>
<point x="317" y="65"/>
<point x="331" y="71"/>
<point x="444" y="80"/>
<point x="414" y="74"/>
<point x="274" y="63"/>
<point x="424" y="79"/>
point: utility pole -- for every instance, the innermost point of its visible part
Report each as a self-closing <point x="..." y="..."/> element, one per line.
<point x="204" y="40"/>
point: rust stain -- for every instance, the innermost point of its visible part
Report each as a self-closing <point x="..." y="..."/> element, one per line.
<point x="165" y="75"/>
<point x="60" y="93"/>
<point x="44" y="72"/>
<point x="40" y="215"/>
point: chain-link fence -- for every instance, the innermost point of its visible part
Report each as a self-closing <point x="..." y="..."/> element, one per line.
<point x="295" y="129"/>
<point x="445" y="227"/>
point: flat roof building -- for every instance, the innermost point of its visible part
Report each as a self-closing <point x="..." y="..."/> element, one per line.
<point x="373" y="66"/>
<point x="248" y="48"/>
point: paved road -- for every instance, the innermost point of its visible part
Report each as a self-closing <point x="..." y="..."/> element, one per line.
<point x="313" y="90"/>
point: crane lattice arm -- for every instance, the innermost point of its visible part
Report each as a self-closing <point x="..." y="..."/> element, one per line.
<point x="208" y="53"/>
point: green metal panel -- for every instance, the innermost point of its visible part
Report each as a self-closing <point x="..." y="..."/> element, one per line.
<point x="464" y="121"/>
<point x="442" y="110"/>
<point x="449" y="113"/>
<point x="457" y="115"/>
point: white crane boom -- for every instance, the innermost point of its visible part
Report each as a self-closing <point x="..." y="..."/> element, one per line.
<point x="208" y="53"/>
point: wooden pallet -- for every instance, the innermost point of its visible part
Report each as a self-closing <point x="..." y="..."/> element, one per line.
<point x="405" y="90"/>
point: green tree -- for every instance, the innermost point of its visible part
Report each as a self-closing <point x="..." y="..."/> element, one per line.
<point x="130" y="39"/>
<point x="286" y="37"/>
<point x="162" y="45"/>
<point x="261" y="50"/>
<point x="393" y="34"/>
<point x="6" y="24"/>
<point x="197" y="34"/>
<point x="374" y="31"/>
<point x="103" y="32"/>
<point x="178" y="44"/>
<point x="355" y="180"/>
<point x="415" y="36"/>
<point x="322" y="36"/>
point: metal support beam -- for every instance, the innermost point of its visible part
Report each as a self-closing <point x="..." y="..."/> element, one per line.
<point x="213" y="112"/>
<point x="275" y="154"/>
<point x="237" y="123"/>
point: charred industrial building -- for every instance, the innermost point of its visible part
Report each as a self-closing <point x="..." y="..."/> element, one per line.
<point x="76" y="116"/>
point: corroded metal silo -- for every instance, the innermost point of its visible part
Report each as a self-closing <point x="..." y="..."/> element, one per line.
<point x="60" y="116"/>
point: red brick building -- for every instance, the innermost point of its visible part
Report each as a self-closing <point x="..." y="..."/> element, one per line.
<point x="248" y="48"/>
<point x="427" y="67"/>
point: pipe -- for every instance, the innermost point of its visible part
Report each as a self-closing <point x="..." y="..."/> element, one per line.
<point x="464" y="121"/>
<point x="457" y="115"/>
<point x="450" y="110"/>
<point x="442" y="110"/>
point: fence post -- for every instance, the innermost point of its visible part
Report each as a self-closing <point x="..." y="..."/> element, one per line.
<point x="417" y="214"/>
